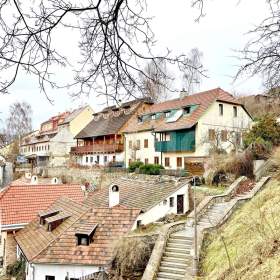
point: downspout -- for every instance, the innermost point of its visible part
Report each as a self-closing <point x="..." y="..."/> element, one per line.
<point x="33" y="271"/>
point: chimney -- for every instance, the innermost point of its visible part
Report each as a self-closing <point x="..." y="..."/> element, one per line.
<point x="183" y="93"/>
<point x="34" y="180"/>
<point x="114" y="196"/>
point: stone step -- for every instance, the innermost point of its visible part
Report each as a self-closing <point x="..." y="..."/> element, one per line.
<point x="182" y="256"/>
<point x="173" y="270"/>
<point x="180" y="236"/>
<point x="179" y="246"/>
<point x="174" y="264"/>
<point x="171" y="276"/>
<point x="176" y="260"/>
<point x="177" y="250"/>
<point x="179" y="241"/>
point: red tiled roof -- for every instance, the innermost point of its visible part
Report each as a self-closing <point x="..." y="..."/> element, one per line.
<point x="20" y="204"/>
<point x="202" y="99"/>
<point x="59" y="246"/>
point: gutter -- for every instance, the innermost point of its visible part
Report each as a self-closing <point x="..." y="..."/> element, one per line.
<point x="13" y="226"/>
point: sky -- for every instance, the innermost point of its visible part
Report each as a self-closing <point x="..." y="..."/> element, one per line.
<point x="223" y="30"/>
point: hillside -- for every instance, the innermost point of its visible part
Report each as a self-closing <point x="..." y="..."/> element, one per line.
<point x="248" y="245"/>
<point x="259" y="105"/>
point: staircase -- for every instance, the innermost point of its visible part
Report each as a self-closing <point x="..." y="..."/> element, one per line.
<point x="176" y="258"/>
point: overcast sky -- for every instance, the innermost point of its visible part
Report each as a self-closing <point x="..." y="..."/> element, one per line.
<point x="222" y="30"/>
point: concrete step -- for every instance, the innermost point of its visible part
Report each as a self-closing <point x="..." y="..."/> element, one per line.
<point x="173" y="270"/>
<point x="176" y="260"/>
<point x="177" y="250"/>
<point x="171" y="276"/>
<point x="179" y="241"/>
<point x="180" y="236"/>
<point x="182" y="256"/>
<point x="174" y="264"/>
<point x="178" y="246"/>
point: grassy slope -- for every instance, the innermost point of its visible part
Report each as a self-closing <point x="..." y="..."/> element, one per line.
<point x="252" y="238"/>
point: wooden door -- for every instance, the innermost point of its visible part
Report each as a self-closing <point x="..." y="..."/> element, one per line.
<point x="180" y="204"/>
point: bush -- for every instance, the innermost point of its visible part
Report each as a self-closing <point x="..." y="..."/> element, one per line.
<point x="266" y="130"/>
<point x="150" y="169"/>
<point x="17" y="269"/>
<point x="134" y="165"/>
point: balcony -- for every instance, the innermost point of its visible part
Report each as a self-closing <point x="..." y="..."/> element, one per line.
<point x="98" y="148"/>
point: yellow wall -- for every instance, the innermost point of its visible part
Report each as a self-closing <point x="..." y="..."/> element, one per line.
<point x="81" y="121"/>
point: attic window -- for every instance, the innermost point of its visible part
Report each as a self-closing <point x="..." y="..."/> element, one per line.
<point x="187" y="110"/>
<point x="153" y="116"/>
<point x="115" y="188"/>
<point x="84" y="233"/>
<point x="167" y="114"/>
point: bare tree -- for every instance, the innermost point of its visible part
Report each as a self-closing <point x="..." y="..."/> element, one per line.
<point x="192" y="78"/>
<point x="19" y="121"/>
<point x="156" y="81"/>
<point x="115" y="40"/>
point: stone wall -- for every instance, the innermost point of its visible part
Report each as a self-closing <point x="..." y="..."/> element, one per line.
<point x="10" y="250"/>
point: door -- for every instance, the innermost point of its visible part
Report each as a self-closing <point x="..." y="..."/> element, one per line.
<point x="180" y="204"/>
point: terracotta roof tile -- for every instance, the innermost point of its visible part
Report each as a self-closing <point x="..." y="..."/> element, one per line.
<point x="60" y="245"/>
<point x="135" y="193"/>
<point x="20" y="204"/>
<point x="202" y="99"/>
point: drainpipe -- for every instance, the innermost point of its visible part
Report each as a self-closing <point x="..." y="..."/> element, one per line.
<point x="33" y="271"/>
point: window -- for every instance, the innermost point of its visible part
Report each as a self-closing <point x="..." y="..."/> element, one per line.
<point x="235" y="111"/>
<point x="82" y="240"/>
<point x="187" y="110"/>
<point x="221" y="109"/>
<point x="139" y="223"/>
<point x="97" y="158"/>
<point x="91" y="159"/>
<point x="167" y="114"/>
<point x="153" y="116"/>
<point x="140" y="119"/>
<point x="86" y="159"/>
<point x="130" y="144"/>
<point x="146" y="143"/>
<point x="165" y="137"/>
<point x="138" y="144"/>
<point x="167" y="162"/>
<point x="146" y="160"/>
<point x="164" y="202"/>
<point x="156" y="160"/>
<point x="105" y="158"/>
<point x="224" y="135"/>
<point x="171" y="201"/>
<point x="48" y="277"/>
<point x="179" y="162"/>
<point x="211" y="134"/>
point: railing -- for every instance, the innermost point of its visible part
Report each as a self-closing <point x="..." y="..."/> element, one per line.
<point x="97" y="148"/>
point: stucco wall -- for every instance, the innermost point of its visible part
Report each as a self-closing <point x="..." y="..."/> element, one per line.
<point x="81" y="121"/>
<point x="162" y="209"/>
<point x="92" y="158"/>
<point x="59" y="271"/>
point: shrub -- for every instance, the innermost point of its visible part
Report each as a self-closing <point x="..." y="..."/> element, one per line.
<point x="17" y="269"/>
<point x="135" y="164"/>
<point x="150" y="169"/>
<point x="266" y="130"/>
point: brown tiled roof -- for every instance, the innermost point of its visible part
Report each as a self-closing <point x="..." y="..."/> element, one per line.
<point x="60" y="246"/>
<point x="202" y="99"/>
<point x="112" y="124"/>
<point x="34" y="238"/>
<point x="20" y="204"/>
<point x="135" y="193"/>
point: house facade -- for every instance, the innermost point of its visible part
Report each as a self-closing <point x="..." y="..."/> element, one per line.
<point x="50" y="146"/>
<point x="101" y="142"/>
<point x="179" y="133"/>
<point x="19" y="205"/>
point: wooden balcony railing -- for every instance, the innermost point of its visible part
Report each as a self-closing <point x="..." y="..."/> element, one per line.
<point x="98" y="148"/>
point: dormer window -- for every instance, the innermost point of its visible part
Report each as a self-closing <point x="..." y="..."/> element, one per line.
<point x="139" y="119"/>
<point x="84" y="233"/>
<point x="167" y="114"/>
<point x="221" y="109"/>
<point x="187" y="110"/>
<point x="153" y="116"/>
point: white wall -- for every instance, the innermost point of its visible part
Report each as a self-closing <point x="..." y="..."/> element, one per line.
<point x="160" y="210"/>
<point x="142" y="153"/>
<point x="92" y="158"/>
<point x="57" y="270"/>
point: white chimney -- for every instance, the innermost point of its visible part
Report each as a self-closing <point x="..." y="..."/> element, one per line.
<point x="183" y="93"/>
<point x="34" y="180"/>
<point x="114" y="196"/>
